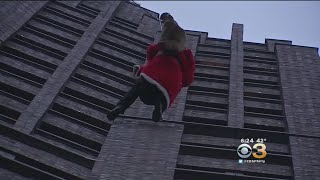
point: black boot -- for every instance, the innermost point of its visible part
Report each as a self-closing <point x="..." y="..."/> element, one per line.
<point x="126" y="101"/>
<point x="157" y="113"/>
<point x="114" y="113"/>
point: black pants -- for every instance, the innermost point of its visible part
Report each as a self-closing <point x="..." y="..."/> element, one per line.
<point x="148" y="93"/>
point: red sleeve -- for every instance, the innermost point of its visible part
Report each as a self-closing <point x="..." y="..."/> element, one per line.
<point x="189" y="68"/>
<point x="152" y="51"/>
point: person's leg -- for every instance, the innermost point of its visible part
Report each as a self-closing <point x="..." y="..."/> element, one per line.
<point x="127" y="100"/>
<point x="159" y="106"/>
<point x="157" y="112"/>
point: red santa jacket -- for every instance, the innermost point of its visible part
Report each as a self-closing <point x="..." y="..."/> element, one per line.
<point x="166" y="73"/>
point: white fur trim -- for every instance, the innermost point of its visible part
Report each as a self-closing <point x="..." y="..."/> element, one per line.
<point x="162" y="89"/>
<point x="135" y="70"/>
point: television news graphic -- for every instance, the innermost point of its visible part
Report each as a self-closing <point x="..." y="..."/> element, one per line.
<point x="258" y="150"/>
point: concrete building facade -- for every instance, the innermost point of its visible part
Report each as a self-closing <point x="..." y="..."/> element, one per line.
<point x="65" y="64"/>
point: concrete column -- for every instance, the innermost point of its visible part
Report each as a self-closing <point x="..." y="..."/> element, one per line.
<point x="305" y="157"/>
<point x="236" y="103"/>
<point x="299" y="69"/>
<point x="139" y="150"/>
<point x="300" y="85"/>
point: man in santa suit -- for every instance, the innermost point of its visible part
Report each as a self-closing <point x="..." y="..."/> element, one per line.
<point x="169" y="67"/>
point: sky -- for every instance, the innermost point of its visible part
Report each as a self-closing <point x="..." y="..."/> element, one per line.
<point x="298" y="21"/>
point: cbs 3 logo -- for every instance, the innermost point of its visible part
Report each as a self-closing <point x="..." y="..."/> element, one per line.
<point x="244" y="150"/>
